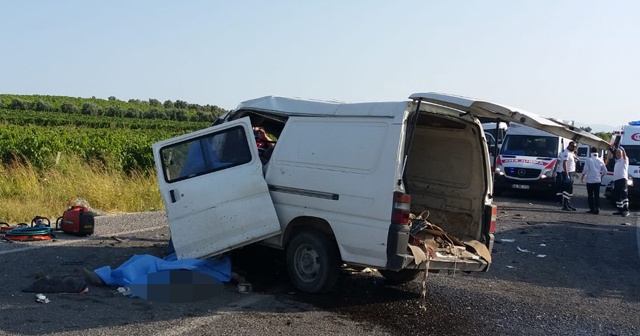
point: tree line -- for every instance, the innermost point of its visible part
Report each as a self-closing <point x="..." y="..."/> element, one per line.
<point x="178" y="110"/>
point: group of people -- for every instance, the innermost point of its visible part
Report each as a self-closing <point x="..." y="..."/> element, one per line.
<point x="594" y="170"/>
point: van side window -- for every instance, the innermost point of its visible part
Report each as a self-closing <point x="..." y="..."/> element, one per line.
<point x="213" y="152"/>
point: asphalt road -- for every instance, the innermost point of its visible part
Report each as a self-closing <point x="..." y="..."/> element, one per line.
<point x="554" y="273"/>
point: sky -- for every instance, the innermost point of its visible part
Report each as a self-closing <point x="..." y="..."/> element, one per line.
<point x="572" y="60"/>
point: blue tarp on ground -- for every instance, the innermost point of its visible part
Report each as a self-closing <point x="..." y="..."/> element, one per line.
<point x="140" y="265"/>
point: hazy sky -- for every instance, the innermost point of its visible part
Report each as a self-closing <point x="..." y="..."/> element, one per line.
<point x="576" y="60"/>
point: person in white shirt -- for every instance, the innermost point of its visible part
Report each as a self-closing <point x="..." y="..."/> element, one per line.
<point x="568" y="169"/>
<point x="620" y="174"/>
<point x="594" y="169"/>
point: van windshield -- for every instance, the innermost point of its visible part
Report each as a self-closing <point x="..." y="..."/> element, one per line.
<point x="530" y="145"/>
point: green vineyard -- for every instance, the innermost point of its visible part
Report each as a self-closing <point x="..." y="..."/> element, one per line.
<point x="38" y="135"/>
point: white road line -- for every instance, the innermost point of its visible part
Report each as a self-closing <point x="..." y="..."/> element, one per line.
<point x="67" y="242"/>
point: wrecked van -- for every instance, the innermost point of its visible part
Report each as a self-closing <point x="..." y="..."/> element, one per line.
<point x="395" y="186"/>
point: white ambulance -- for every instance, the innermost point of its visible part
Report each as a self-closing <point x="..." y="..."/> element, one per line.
<point x="528" y="159"/>
<point x="629" y="138"/>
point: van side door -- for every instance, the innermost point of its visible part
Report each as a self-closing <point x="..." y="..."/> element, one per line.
<point x="215" y="195"/>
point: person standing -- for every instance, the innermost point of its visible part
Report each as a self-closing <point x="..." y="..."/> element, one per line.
<point x="620" y="174"/>
<point x="568" y="164"/>
<point x="594" y="169"/>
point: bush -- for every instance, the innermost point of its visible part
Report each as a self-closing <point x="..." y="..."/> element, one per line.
<point x="91" y="109"/>
<point x="44" y="106"/>
<point x="154" y="102"/>
<point x="132" y="113"/>
<point x="19" y="104"/>
<point x="69" y="108"/>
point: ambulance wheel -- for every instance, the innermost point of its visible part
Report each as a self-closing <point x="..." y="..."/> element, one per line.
<point x="401" y="276"/>
<point x="313" y="261"/>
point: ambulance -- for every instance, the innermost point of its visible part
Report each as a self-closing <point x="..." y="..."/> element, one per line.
<point x="629" y="138"/>
<point x="528" y="160"/>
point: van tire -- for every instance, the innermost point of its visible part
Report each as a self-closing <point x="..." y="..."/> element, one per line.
<point x="313" y="261"/>
<point x="401" y="276"/>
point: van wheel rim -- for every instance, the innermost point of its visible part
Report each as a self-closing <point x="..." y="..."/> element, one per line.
<point x="307" y="263"/>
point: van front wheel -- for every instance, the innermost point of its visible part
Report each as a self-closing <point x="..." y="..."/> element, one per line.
<point x="313" y="261"/>
<point x="401" y="276"/>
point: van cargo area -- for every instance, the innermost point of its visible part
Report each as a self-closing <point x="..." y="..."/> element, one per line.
<point x="445" y="178"/>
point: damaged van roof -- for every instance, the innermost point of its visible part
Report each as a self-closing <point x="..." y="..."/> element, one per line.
<point x="298" y="106"/>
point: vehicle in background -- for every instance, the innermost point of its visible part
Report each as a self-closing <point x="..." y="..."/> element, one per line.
<point x="582" y="155"/>
<point x="495" y="133"/>
<point x="528" y="160"/>
<point x="629" y="138"/>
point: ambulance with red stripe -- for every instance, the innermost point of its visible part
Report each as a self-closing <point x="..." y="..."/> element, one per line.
<point x="629" y="138"/>
<point x="528" y="159"/>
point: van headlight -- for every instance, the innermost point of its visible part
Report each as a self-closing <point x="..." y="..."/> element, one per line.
<point x="547" y="174"/>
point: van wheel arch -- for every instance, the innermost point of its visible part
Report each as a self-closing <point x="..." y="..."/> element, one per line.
<point x="306" y="222"/>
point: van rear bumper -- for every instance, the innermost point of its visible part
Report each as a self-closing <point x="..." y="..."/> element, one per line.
<point x="464" y="265"/>
<point x="397" y="242"/>
<point x="398" y="257"/>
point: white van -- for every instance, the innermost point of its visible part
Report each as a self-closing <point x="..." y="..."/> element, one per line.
<point x="629" y="138"/>
<point x="339" y="185"/>
<point x="528" y="160"/>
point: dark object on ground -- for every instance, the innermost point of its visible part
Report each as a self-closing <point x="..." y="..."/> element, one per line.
<point x="65" y="284"/>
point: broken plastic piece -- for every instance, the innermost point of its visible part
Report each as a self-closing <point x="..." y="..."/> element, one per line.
<point x="505" y="240"/>
<point x="509" y="266"/>
<point x="541" y="255"/>
<point x="245" y="288"/>
<point x="124" y="291"/>
<point x="523" y="250"/>
<point x="42" y="298"/>
<point x="543" y="245"/>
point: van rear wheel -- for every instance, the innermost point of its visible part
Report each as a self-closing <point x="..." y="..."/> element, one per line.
<point x="313" y="261"/>
<point x="401" y="276"/>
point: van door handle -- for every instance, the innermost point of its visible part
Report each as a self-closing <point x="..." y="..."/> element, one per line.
<point x="172" y="193"/>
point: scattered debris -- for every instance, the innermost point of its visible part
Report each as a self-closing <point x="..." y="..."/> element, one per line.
<point x="118" y="239"/>
<point x="125" y="291"/>
<point x="523" y="250"/>
<point x="41" y="298"/>
<point x="243" y="286"/>
<point x="505" y="240"/>
<point x="543" y="245"/>
<point x="509" y="266"/>
<point x="541" y="255"/>
<point x="625" y="224"/>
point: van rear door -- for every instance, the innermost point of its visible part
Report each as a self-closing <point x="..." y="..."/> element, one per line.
<point x="214" y="191"/>
<point x="485" y="109"/>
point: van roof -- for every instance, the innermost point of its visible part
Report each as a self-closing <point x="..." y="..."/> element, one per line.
<point x="309" y="107"/>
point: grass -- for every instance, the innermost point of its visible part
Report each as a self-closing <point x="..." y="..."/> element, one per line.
<point x="26" y="192"/>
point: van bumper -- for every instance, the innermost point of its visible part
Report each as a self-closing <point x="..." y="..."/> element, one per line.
<point x="398" y="257"/>
<point x="397" y="242"/>
<point x="504" y="183"/>
<point x="467" y="265"/>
